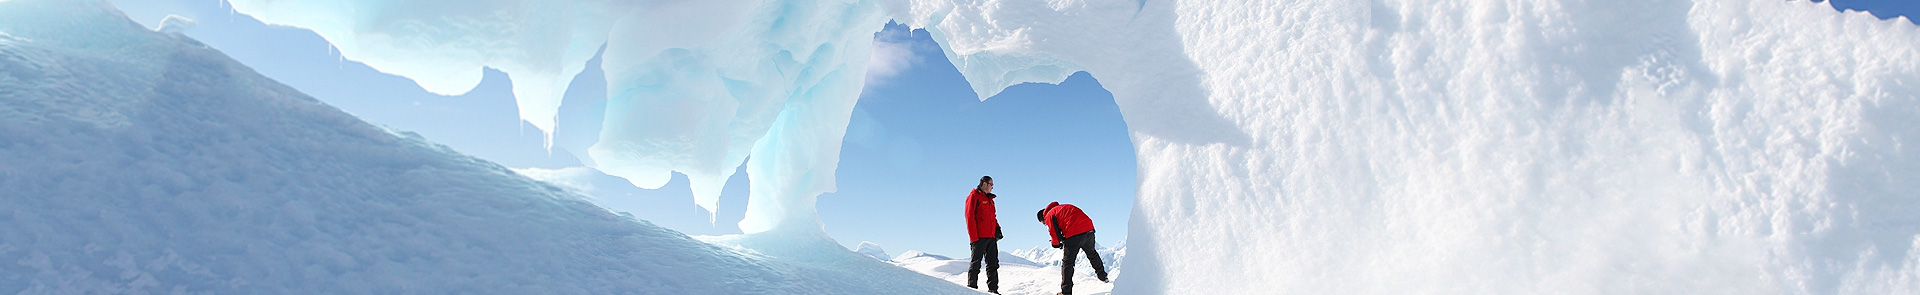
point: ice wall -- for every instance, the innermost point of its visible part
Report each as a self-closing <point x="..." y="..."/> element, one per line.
<point x="1355" y="147"/>
<point x="1506" y="147"/>
<point x="694" y="86"/>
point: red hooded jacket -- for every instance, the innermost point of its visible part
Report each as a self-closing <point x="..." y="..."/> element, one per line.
<point x="1065" y="221"/>
<point x="981" y="222"/>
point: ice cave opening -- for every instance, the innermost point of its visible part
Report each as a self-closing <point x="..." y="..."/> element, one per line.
<point x="919" y="139"/>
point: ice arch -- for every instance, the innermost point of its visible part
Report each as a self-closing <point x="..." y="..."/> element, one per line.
<point x="1317" y="146"/>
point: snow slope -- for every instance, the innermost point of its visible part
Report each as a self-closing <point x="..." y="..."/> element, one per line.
<point x="138" y="162"/>
<point x="1015" y="279"/>
<point x="1018" y="275"/>
<point x="1319" y="146"/>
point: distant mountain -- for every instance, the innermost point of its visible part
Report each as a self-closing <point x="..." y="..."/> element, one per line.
<point x="916" y="255"/>
<point x="874" y="250"/>
<point x="1048" y="256"/>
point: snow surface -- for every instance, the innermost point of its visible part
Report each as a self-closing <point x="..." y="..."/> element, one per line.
<point x="1018" y="275"/>
<point x="1312" y="146"/>
<point x="140" y="162"/>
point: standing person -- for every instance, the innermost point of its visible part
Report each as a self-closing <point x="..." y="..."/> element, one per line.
<point x="983" y="232"/>
<point x="1071" y="231"/>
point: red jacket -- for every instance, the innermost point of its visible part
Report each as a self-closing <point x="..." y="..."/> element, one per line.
<point x="1065" y="221"/>
<point x="981" y="223"/>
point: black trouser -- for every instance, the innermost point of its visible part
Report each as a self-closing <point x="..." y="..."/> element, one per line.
<point x="1073" y="246"/>
<point x="990" y="249"/>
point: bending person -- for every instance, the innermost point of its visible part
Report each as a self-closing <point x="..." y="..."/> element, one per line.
<point x="983" y="234"/>
<point x="1071" y="231"/>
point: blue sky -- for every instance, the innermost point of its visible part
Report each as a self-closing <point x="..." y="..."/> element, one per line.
<point x="918" y="140"/>
<point x="1883" y="9"/>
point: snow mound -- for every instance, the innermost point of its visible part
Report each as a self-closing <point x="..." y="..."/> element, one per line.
<point x="175" y="24"/>
<point x="871" y="249"/>
<point x="916" y="255"/>
<point x="138" y="162"/>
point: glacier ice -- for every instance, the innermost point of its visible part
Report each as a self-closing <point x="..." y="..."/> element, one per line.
<point x="1353" y="147"/>
<point x="693" y="86"/>
<point x="140" y="162"/>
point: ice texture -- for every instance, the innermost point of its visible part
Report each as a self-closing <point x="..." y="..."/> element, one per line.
<point x="139" y="162"/>
<point x="1342" y="147"/>
<point x="695" y="87"/>
<point x="1590" y="147"/>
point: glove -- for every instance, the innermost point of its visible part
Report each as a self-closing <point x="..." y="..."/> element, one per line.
<point x="997" y="234"/>
<point x="1056" y="246"/>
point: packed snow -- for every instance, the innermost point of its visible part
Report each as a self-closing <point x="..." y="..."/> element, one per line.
<point x="1313" y="146"/>
<point x="140" y="162"/>
<point x="1022" y="272"/>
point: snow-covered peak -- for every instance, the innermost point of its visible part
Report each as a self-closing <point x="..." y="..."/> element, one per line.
<point x="175" y="24"/>
<point x="916" y="255"/>
<point x="870" y="249"/>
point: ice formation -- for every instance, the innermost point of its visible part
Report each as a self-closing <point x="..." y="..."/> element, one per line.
<point x="1316" y="146"/>
<point x="139" y="162"/>
<point x="694" y="86"/>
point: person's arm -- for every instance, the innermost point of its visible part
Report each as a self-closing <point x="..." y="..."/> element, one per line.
<point x="1053" y="227"/>
<point x="973" y="217"/>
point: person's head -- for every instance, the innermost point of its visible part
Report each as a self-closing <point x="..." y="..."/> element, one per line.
<point x="1042" y="215"/>
<point x="986" y="184"/>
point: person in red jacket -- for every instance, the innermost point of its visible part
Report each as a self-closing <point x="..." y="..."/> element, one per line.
<point x="1071" y="231"/>
<point x="983" y="233"/>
